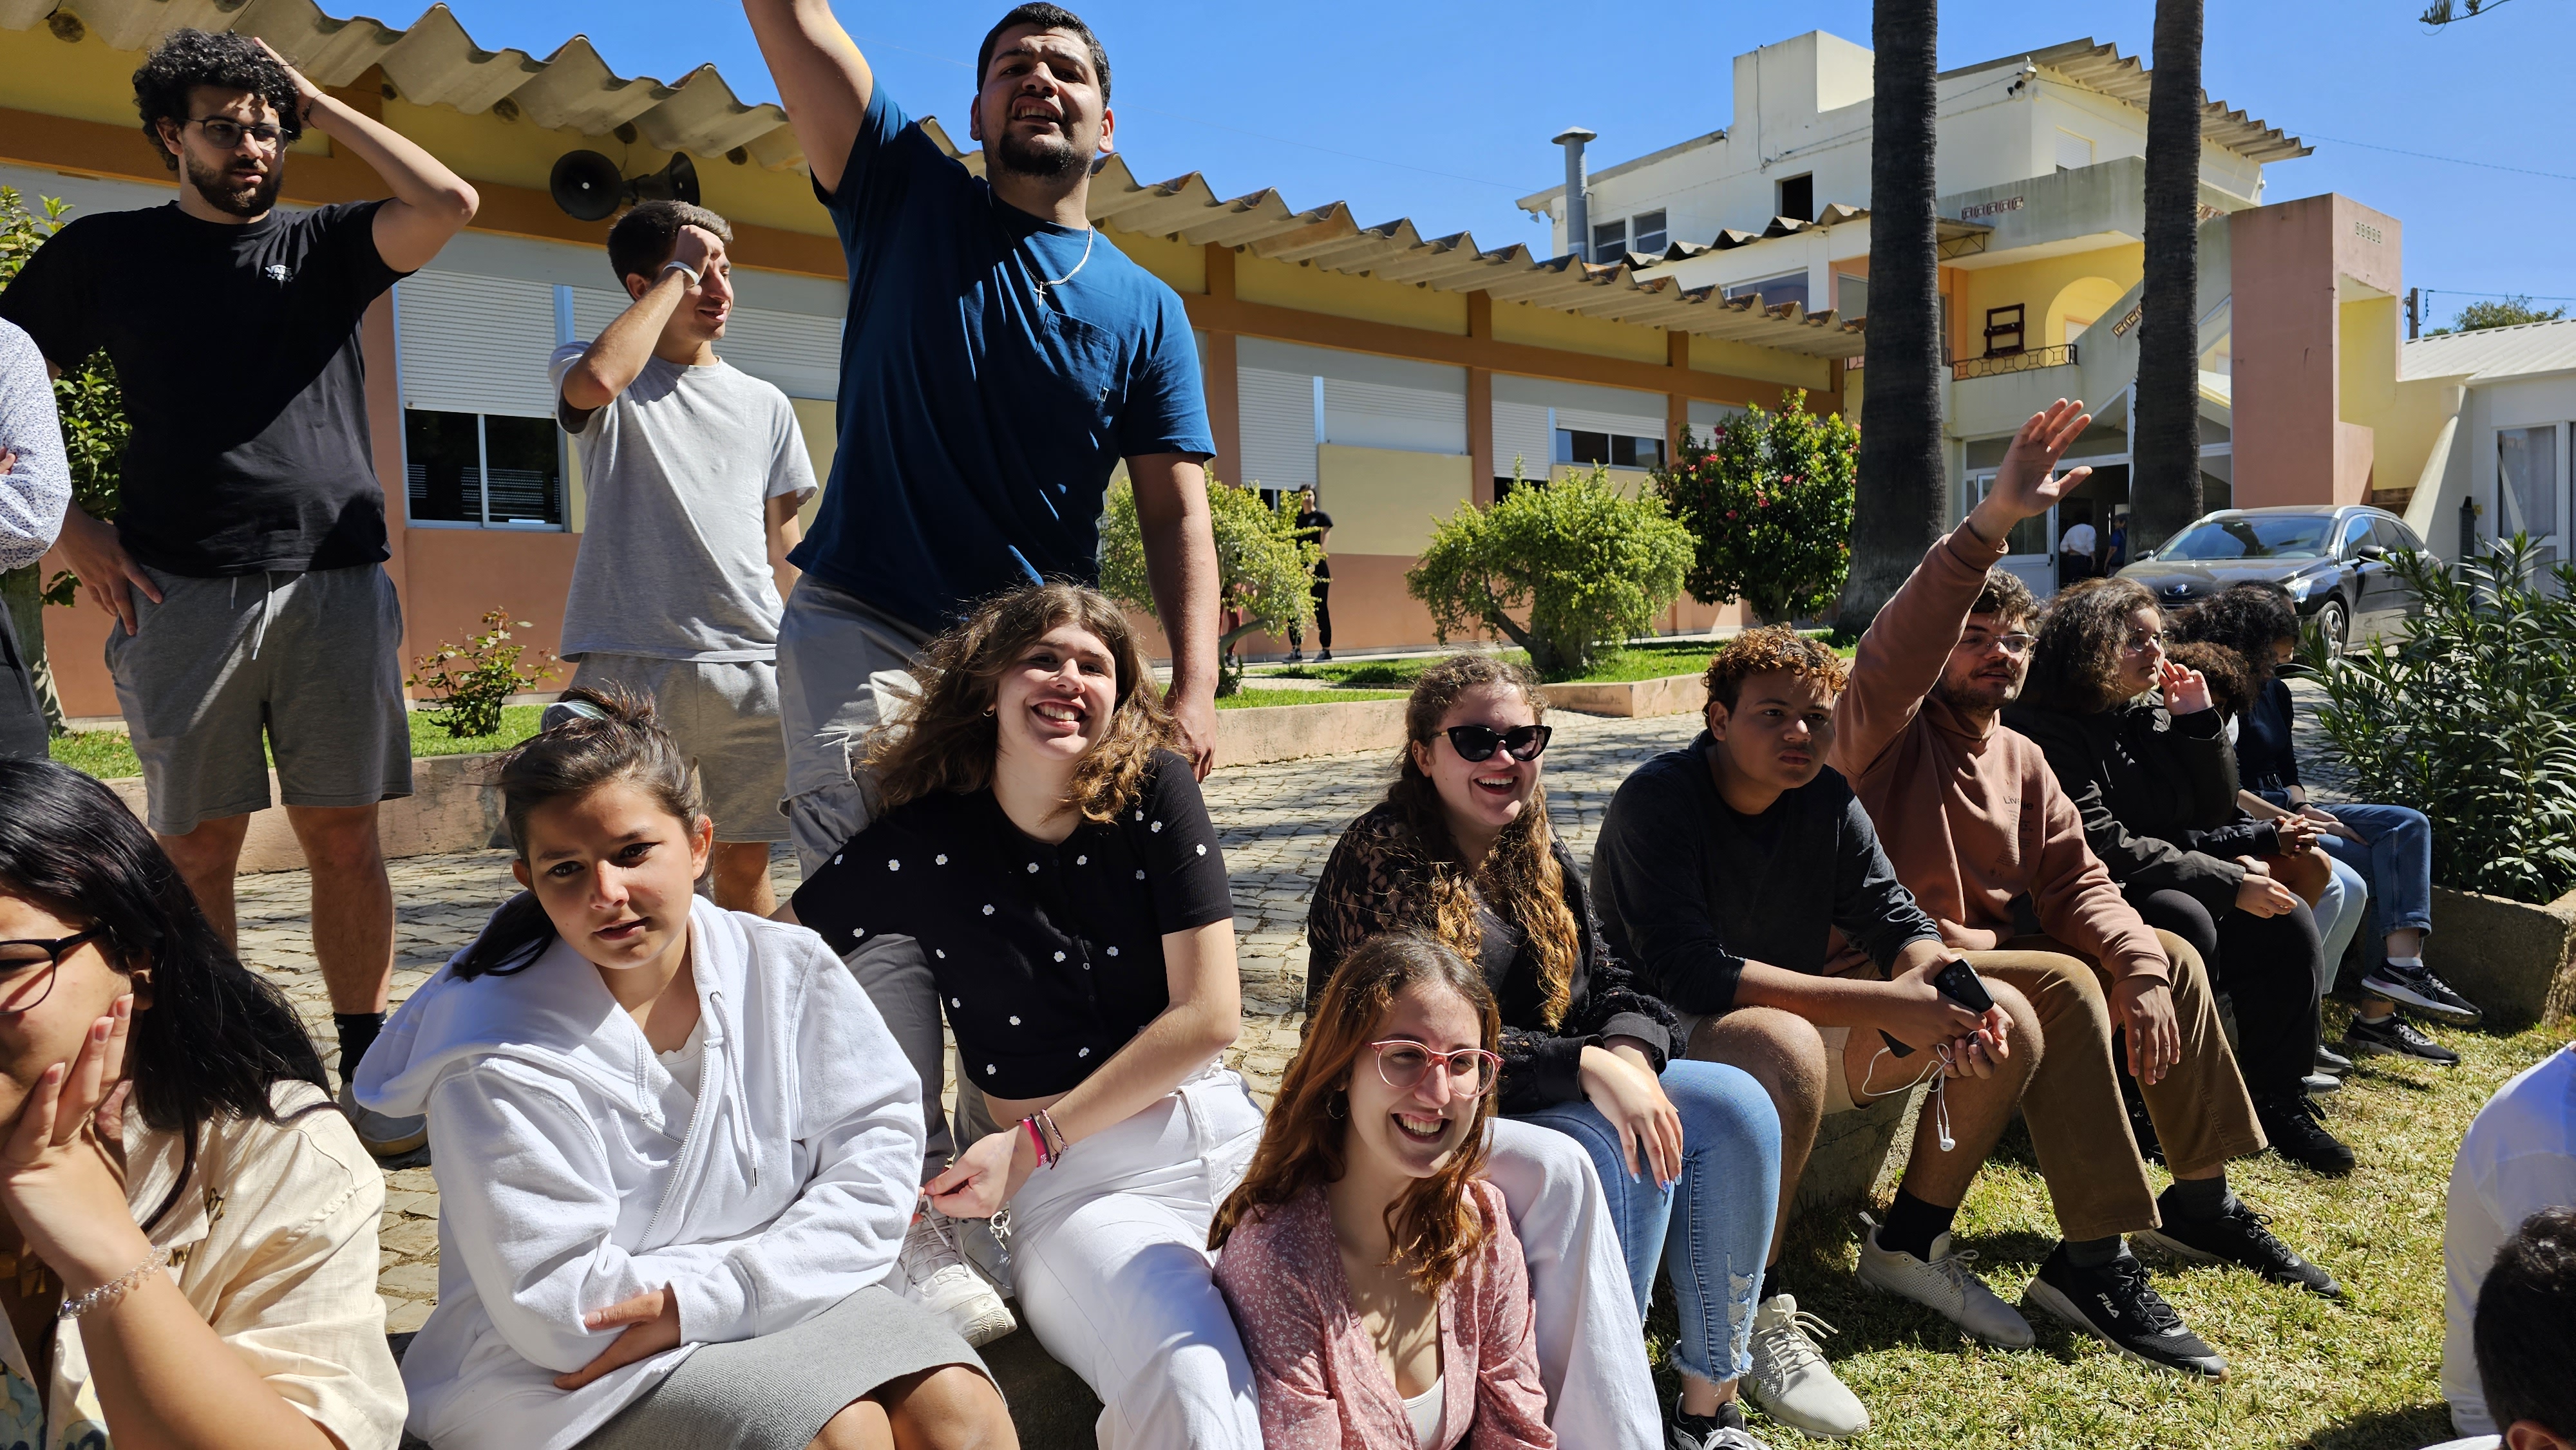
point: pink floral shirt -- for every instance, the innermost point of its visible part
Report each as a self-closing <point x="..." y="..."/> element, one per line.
<point x="1317" y="1372"/>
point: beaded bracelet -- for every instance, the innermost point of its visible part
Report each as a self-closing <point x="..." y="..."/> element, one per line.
<point x="114" y="1289"/>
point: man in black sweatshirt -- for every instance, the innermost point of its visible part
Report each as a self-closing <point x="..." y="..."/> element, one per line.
<point x="1723" y="874"/>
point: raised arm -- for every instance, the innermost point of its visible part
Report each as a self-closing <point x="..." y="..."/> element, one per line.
<point x="823" y="81"/>
<point x="1180" y="561"/>
<point x="617" y="356"/>
<point x="431" y="203"/>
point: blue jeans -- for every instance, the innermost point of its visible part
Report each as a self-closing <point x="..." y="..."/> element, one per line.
<point x="1712" y="1229"/>
<point x="2340" y="912"/>
<point x="2395" y="855"/>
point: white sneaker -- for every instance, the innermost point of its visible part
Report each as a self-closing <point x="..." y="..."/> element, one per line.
<point x="934" y="1276"/>
<point x="1946" y="1286"/>
<point x="1790" y="1379"/>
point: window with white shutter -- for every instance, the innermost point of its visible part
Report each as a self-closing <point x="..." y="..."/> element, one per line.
<point x="480" y="447"/>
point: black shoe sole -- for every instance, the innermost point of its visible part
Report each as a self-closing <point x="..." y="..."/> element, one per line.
<point x="2361" y="1047"/>
<point x="2057" y="1306"/>
<point x="2188" y="1254"/>
<point x="2398" y="992"/>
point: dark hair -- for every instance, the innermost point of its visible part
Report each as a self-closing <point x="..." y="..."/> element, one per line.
<point x="1044" y="17"/>
<point x="2526" y="1325"/>
<point x="2249" y="618"/>
<point x="947" y="739"/>
<point x="216" y="1038"/>
<point x="2076" y="664"/>
<point x="2006" y="596"/>
<point x="1772" y="649"/>
<point x="619" y="744"/>
<point x="643" y="239"/>
<point x="1433" y="1225"/>
<point x="170" y="75"/>
<point x="2231" y="687"/>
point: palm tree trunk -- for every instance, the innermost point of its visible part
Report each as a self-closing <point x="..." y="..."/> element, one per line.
<point x="1900" y="495"/>
<point x="2165" y="445"/>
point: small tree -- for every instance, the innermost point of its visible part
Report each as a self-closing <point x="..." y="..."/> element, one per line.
<point x="476" y="678"/>
<point x="1265" y="572"/>
<point x="1770" y="501"/>
<point x="2503" y="312"/>
<point x="92" y="407"/>
<point x="1588" y="566"/>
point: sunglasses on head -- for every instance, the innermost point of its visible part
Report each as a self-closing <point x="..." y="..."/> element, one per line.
<point x="1478" y="742"/>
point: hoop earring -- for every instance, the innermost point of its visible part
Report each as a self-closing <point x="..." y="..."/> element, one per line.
<point x="1336" y="1107"/>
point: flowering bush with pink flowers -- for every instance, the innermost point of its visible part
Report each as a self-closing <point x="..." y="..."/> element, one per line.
<point x="1769" y="500"/>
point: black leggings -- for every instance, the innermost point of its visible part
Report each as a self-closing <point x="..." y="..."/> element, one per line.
<point x="1323" y="618"/>
<point x="2267" y="965"/>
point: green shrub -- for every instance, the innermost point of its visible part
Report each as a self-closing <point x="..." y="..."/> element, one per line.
<point x="1264" y="570"/>
<point x="2471" y="719"/>
<point x="475" y="679"/>
<point x="1587" y="565"/>
<point x="1769" y="500"/>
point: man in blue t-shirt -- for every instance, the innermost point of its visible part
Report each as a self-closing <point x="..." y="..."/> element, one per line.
<point x="1000" y="360"/>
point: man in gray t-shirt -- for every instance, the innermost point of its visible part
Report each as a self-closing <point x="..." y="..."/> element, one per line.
<point x="694" y="472"/>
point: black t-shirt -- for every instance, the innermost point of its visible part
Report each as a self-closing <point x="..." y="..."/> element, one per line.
<point x="237" y="350"/>
<point x="1311" y="524"/>
<point x="1048" y="957"/>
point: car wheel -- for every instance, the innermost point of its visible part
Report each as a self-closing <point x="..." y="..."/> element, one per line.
<point x="2335" y="625"/>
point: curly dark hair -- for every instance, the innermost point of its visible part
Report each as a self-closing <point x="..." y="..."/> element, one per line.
<point x="2249" y="618"/>
<point x="170" y="75"/>
<point x="2230" y="687"/>
<point x="2006" y="597"/>
<point x="1773" y="648"/>
<point x="2076" y="664"/>
<point x="2525" y="1329"/>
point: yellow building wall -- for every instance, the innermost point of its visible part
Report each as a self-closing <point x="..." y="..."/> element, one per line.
<point x="2036" y="285"/>
<point x="2407" y="427"/>
<point x="814" y="419"/>
<point x="1386" y="501"/>
<point x="2366" y="367"/>
<point x="522" y="153"/>
<point x="1284" y="284"/>
<point x="1744" y="360"/>
<point x="2078" y="305"/>
<point x="1181" y="266"/>
<point x="1544" y="327"/>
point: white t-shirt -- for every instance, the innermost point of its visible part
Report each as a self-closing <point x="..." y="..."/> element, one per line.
<point x="2078" y="540"/>
<point x="2518" y="1158"/>
<point x="678" y="472"/>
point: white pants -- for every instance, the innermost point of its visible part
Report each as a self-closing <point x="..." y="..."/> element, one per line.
<point x="1109" y="1262"/>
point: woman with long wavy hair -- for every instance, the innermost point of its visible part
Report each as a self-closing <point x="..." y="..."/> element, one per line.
<point x="1044" y="857"/>
<point x="1373" y="1270"/>
<point x="1687" y="1151"/>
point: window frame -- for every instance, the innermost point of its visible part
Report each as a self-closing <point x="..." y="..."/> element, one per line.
<point x="483" y="479"/>
<point x="1662" y="233"/>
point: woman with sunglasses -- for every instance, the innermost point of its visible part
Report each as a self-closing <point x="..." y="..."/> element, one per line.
<point x="188" y="1227"/>
<point x="1372" y="1269"/>
<point x="1687" y="1151"/>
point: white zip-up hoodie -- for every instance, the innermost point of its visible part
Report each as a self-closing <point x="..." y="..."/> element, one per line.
<point x="573" y="1172"/>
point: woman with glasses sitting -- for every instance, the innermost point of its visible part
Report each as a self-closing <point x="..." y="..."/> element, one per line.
<point x="2132" y="737"/>
<point x="1690" y="1151"/>
<point x="187" y="1225"/>
<point x="1373" y="1270"/>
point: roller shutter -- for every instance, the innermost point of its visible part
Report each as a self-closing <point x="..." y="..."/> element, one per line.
<point x="472" y="344"/>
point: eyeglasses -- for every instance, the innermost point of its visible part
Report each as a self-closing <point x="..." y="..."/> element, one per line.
<point x="27" y="968"/>
<point x="228" y="133"/>
<point x="1402" y="1062"/>
<point x="2016" y="645"/>
<point x="1478" y="742"/>
<point x="2141" y="641"/>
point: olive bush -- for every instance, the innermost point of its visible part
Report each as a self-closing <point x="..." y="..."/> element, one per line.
<point x="1264" y="569"/>
<point x="1586" y="566"/>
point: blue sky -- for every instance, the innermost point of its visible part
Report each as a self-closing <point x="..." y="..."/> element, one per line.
<point x="1441" y="111"/>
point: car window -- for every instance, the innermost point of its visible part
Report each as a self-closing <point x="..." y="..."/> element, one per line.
<point x="2355" y="533"/>
<point x="2391" y="535"/>
<point x="2264" y="536"/>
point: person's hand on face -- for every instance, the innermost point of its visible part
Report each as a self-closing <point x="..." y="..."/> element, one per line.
<point x="1055" y="703"/>
<point x="709" y="302"/>
<point x="2186" y="691"/>
<point x="1413" y="1093"/>
<point x="1777" y="736"/>
<point x="615" y="871"/>
<point x="1482" y="797"/>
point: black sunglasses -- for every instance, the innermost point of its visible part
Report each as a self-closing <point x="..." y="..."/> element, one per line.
<point x="1478" y="742"/>
<point x="17" y="958"/>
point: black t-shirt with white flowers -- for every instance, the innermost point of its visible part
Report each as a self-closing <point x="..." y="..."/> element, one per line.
<point x="1048" y="957"/>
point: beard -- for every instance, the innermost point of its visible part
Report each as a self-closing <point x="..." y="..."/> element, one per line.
<point x="216" y="186"/>
<point x="1970" y="695"/>
<point x="1040" y="158"/>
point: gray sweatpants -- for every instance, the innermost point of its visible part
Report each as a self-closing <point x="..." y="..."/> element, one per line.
<point x="843" y="669"/>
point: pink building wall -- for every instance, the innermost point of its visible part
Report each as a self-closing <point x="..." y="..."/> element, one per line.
<point x="2292" y="266"/>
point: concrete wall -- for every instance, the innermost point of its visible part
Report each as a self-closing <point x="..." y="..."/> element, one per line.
<point x="2300" y="270"/>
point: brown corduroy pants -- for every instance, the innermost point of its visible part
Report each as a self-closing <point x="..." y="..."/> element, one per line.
<point x="2089" y="1158"/>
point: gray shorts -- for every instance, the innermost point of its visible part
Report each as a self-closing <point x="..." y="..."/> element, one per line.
<point x="724" y="713"/>
<point x="313" y="661"/>
<point x="843" y="669"/>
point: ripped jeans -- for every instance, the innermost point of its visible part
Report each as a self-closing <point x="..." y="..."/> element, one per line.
<point x="1712" y="1228"/>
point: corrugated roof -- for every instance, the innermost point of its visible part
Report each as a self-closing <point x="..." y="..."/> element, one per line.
<point x="2492" y="352"/>
<point x="2125" y="78"/>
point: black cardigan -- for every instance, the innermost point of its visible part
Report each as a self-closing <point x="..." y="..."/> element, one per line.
<point x="2157" y="793"/>
<point x="1377" y="881"/>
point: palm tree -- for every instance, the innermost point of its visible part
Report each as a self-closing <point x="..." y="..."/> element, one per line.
<point x="1899" y="496"/>
<point x="2164" y="480"/>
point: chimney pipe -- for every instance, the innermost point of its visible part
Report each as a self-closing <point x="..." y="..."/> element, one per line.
<point x="1578" y="205"/>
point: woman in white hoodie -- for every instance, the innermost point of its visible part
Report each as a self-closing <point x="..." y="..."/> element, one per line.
<point x="675" y="1148"/>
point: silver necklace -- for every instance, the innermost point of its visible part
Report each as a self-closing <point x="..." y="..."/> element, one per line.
<point x="1041" y="284"/>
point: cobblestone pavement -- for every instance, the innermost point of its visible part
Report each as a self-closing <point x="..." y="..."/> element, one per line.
<point x="1277" y="824"/>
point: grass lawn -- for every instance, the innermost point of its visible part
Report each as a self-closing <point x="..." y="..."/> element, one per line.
<point x="108" y="754"/>
<point x="1253" y="699"/>
<point x="1633" y="662"/>
<point x="2363" y="1374"/>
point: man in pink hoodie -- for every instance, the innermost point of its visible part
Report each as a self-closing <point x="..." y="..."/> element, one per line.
<point x="1979" y="831"/>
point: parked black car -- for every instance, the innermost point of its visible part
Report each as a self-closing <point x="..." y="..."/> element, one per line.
<point x="2334" y="561"/>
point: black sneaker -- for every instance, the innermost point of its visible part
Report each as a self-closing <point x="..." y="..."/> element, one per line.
<point x="2115" y="1305"/>
<point x="1721" y="1431"/>
<point x="2397" y="1037"/>
<point x="2241" y="1237"/>
<point x="2142" y="1124"/>
<point x="2331" y="1062"/>
<point x="1296" y="657"/>
<point x="1323" y="657"/>
<point x="2299" y="1134"/>
<point x="2416" y="987"/>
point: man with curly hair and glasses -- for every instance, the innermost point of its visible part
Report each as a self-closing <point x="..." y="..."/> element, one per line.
<point x="245" y="563"/>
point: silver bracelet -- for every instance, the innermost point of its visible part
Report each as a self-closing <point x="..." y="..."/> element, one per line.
<point x="685" y="270"/>
<point x="116" y="1288"/>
